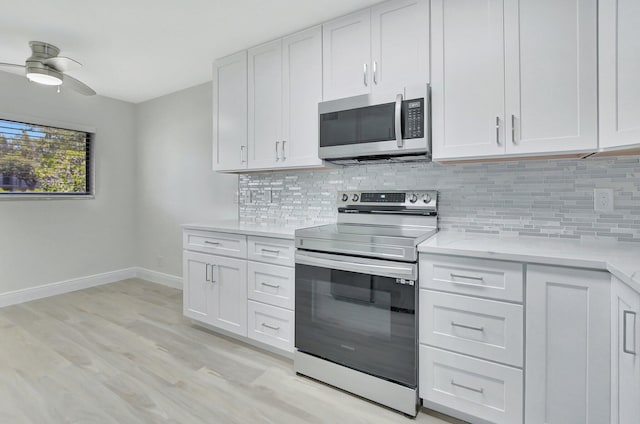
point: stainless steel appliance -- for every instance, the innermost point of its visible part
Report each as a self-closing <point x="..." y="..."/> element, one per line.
<point x="356" y="295"/>
<point x="376" y="127"/>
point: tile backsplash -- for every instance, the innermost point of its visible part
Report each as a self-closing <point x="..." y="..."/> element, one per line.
<point x="545" y="198"/>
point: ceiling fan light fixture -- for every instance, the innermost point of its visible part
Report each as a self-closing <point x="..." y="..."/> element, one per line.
<point x="44" y="76"/>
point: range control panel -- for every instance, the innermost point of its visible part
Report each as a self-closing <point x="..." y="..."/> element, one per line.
<point x="409" y="199"/>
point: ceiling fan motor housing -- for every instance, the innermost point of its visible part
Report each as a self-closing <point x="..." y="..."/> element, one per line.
<point x="37" y="70"/>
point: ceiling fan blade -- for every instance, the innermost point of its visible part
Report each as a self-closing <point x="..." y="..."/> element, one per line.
<point x="80" y="87"/>
<point x="62" y="64"/>
<point x="13" y="68"/>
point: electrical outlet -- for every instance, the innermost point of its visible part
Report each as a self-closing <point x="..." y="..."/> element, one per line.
<point x="603" y="199"/>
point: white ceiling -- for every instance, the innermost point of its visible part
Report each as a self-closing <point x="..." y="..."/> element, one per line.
<point x="136" y="50"/>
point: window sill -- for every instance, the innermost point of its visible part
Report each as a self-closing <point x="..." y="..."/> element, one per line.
<point x="8" y="197"/>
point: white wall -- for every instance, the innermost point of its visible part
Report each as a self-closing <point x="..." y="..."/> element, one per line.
<point x="175" y="182"/>
<point x="49" y="241"/>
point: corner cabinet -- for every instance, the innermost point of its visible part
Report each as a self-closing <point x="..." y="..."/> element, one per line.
<point x="501" y="86"/>
<point x="567" y="346"/>
<point x="230" y="113"/>
<point x="619" y="59"/>
<point x="383" y="48"/>
<point x="625" y="350"/>
<point x="242" y="286"/>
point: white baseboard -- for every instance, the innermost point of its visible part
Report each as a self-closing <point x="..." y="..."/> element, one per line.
<point x="60" y="287"/>
<point x="168" y="280"/>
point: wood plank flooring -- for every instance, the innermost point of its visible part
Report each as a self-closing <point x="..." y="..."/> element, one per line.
<point x="123" y="353"/>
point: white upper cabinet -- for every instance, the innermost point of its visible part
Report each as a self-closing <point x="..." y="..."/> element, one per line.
<point x="467" y="81"/>
<point x="346" y="53"/>
<point x="230" y="113"/>
<point x="513" y="77"/>
<point x="265" y="104"/>
<point x="285" y="86"/>
<point x="399" y="44"/>
<point x="551" y="76"/>
<point x="301" y="93"/>
<point x="383" y="48"/>
<point x="619" y="37"/>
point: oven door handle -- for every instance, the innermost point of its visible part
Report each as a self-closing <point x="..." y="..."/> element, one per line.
<point x="359" y="265"/>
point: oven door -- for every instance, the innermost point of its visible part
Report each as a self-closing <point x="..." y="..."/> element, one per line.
<point x="358" y="312"/>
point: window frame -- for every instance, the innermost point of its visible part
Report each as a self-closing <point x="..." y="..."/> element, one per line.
<point x="91" y="136"/>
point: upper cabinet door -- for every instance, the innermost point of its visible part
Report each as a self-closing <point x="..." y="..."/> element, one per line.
<point x="619" y="73"/>
<point x="265" y="105"/>
<point x="399" y="44"/>
<point x="551" y="75"/>
<point x="347" y="56"/>
<point x="301" y="92"/>
<point x="230" y="112"/>
<point x="467" y="80"/>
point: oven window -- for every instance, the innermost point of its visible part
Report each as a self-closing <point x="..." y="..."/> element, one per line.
<point x="363" y="125"/>
<point x="361" y="321"/>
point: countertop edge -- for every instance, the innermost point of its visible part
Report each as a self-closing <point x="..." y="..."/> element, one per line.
<point x="247" y="231"/>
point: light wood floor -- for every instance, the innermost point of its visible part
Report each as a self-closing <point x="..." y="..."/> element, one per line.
<point x="123" y="353"/>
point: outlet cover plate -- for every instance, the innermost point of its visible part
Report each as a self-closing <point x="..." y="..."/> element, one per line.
<point x="603" y="200"/>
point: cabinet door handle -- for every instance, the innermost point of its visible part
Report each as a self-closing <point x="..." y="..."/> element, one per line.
<point x="473" y="389"/>
<point x="273" y="286"/>
<point x="242" y="154"/>
<point x="214" y="267"/>
<point x="283" y="156"/>
<point x="468" y="327"/>
<point x="375" y="72"/>
<point x="206" y="272"/>
<point x="270" y="326"/>
<point x="277" y="157"/>
<point x="365" y="76"/>
<point x="625" y="330"/>
<point x="513" y="128"/>
<point x="498" y="130"/>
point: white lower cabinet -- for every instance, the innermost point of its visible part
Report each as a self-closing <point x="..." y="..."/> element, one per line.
<point x="248" y="298"/>
<point x="477" y="388"/>
<point x="568" y="346"/>
<point x="625" y="348"/>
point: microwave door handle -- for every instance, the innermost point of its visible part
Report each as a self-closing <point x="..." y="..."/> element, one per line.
<point x="399" y="121"/>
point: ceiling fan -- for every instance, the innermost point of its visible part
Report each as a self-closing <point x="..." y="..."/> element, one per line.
<point x="46" y="67"/>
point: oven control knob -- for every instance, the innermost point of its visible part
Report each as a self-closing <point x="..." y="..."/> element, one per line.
<point x="355" y="198"/>
<point x="413" y="198"/>
<point x="345" y="197"/>
<point x="426" y="198"/>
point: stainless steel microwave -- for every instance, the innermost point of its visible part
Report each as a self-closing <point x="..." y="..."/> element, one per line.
<point x="376" y="127"/>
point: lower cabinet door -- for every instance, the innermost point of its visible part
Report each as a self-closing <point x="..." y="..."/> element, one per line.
<point x="197" y="289"/>
<point x="473" y="387"/>
<point x="228" y="309"/>
<point x="568" y="346"/>
<point x="625" y="343"/>
<point x="271" y="325"/>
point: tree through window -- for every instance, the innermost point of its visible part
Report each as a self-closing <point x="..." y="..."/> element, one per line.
<point x="37" y="159"/>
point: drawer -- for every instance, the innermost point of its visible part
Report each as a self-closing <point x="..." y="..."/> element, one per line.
<point x="271" y="325"/>
<point x="271" y="284"/>
<point x="225" y="244"/>
<point x="272" y="250"/>
<point x="473" y="326"/>
<point x="475" y="277"/>
<point x="472" y="386"/>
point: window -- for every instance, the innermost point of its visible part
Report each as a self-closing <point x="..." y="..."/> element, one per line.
<point x="38" y="160"/>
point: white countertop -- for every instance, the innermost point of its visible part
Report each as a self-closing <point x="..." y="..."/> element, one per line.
<point x="235" y="227"/>
<point x="620" y="259"/>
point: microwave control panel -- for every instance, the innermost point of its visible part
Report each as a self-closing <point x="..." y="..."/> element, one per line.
<point x="413" y="118"/>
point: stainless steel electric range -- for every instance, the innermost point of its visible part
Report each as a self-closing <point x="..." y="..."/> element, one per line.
<point x="356" y="295"/>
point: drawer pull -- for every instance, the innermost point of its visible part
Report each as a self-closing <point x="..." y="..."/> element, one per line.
<point x="270" y="326"/>
<point x="273" y="286"/>
<point x="213" y="243"/>
<point x="273" y="251"/>
<point x="469" y="327"/>
<point x="467" y="277"/>
<point x="473" y="389"/>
